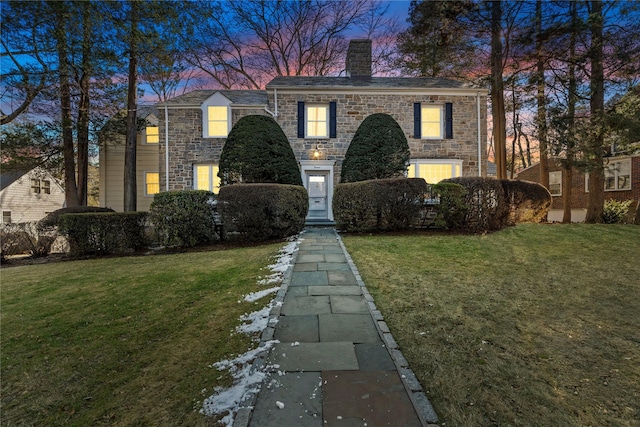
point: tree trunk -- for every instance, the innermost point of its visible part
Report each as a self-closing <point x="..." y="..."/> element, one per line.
<point x="130" y="184"/>
<point x="541" y="116"/>
<point x="83" y="107"/>
<point x="497" y="92"/>
<point x="567" y="190"/>
<point x="70" y="190"/>
<point x="595" y="204"/>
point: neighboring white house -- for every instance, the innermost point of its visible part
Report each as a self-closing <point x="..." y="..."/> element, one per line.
<point x="27" y="196"/>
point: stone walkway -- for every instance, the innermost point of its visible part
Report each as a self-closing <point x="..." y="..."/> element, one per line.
<point x="336" y="363"/>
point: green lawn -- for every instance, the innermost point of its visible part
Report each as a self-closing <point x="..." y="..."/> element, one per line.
<point x="122" y="341"/>
<point x="535" y="325"/>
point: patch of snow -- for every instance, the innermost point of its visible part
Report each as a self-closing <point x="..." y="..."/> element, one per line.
<point x="247" y="379"/>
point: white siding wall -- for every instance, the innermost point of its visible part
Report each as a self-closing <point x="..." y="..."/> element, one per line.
<point x="26" y="206"/>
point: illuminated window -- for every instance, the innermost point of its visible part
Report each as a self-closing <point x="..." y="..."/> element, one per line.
<point x="151" y="183"/>
<point x="431" y="121"/>
<point x="434" y="171"/>
<point x="206" y="178"/>
<point x="217" y="122"/>
<point x="153" y="134"/>
<point x="317" y="121"/>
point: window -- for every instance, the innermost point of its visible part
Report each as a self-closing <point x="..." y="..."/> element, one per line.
<point x="617" y="175"/>
<point x="218" y="121"/>
<point x="434" y="171"/>
<point x="555" y="183"/>
<point x="206" y="178"/>
<point x="432" y="121"/>
<point x="153" y="134"/>
<point x="6" y="217"/>
<point x="35" y="186"/>
<point x="151" y="183"/>
<point x="317" y="121"/>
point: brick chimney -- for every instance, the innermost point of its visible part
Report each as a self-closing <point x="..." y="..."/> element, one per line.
<point x="359" y="58"/>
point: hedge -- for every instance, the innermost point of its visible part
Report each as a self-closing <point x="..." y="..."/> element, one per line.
<point x="263" y="211"/>
<point x="185" y="217"/>
<point x="381" y="204"/>
<point x="486" y="202"/>
<point x="103" y="233"/>
<point x="527" y="201"/>
<point x="451" y="209"/>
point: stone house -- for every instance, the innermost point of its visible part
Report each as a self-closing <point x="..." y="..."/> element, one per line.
<point x="28" y="196"/>
<point x="622" y="182"/>
<point x="445" y="122"/>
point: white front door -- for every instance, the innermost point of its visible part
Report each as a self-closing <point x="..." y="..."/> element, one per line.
<point x="317" y="188"/>
<point x="317" y="176"/>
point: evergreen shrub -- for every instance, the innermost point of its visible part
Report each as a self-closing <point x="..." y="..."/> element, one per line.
<point x="615" y="212"/>
<point x="184" y="218"/>
<point x="104" y="233"/>
<point x="451" y="208"/>
<point x="378" y="205"/>
<point x="52" y="219"/>
<point x="263" y="211"/>
<point x="527" y="201"/>
<point x="378" y="150"/>
<point x="258" y="151"/>
<point x="487" y="206"/>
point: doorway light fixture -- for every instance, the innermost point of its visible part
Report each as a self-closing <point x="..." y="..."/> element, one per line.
<point x="316" y="153"/>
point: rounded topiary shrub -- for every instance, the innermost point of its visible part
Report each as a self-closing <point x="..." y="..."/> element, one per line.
<point x="378" y="150"/>
<point x="258" y="151"/>
<point x="184" y="218"/>
<point x="263" y="211"/>
<point x="528" y="201"/>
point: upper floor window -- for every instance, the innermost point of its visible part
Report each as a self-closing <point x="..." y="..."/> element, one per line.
<point x="317" y="120"/>
<point x="432" y="121"/>
<point x="216" y="116"/>
<point x="555" y="183"/>
<point x="434" y="170"/>
<point x="617" y="175"/>
<point x="40" y="186"/>
<point x="152" y="134"/>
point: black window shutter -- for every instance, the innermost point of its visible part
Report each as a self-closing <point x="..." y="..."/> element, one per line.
<point x="448" y="120"/>
<point x="333" y="121"/>
<point x="417" y="133"/>
<point x="300" y="119"/>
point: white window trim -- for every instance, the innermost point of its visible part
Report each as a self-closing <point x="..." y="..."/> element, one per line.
<point x="442" y="120"/>
<point x="212" y="179"/>
<point x="215" y="100"/>
<point x="452" y="162"/>
<point x="146" y="193"/>
<point x="586" y="178"/>
<point x="306" y="121"/>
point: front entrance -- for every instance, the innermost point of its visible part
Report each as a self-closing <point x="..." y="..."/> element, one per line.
<point x="317" y="176"/>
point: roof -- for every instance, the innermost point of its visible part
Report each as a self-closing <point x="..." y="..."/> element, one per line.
<point x="8" y="178"/>
<point x="369" y="82"/>
<point x="197" y="97"/>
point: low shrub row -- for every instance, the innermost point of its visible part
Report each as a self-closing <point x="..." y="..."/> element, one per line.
<point x="263" y="211"/>
<point x="104" y="232"/>
<point x="26" y="238"/>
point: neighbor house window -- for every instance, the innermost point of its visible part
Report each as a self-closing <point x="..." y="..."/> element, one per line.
<point x="151" y="183"/>
<point x="434" y="171"/>
<point x="617" y="175"/>
<point x="6" y="217"/>
<point x="433" y="121"/>
<point x="555" y="183"/>
<point x="217" y="121"/>
<point x="153" y="134"/>
<point x="206" y="178"/>
<point x="35" y="186"/>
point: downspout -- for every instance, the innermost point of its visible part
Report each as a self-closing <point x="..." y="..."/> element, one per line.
<point x="275" y="101"/>
<point x="166" y="149"/>
<point x="479" y="136"/>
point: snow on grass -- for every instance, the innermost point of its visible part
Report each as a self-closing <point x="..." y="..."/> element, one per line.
<point x="246" y="377"/>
